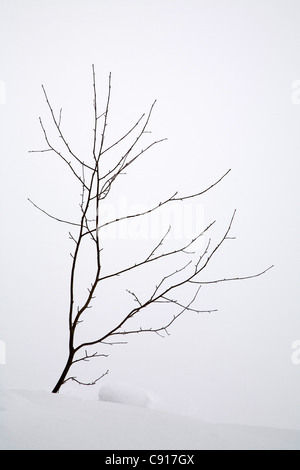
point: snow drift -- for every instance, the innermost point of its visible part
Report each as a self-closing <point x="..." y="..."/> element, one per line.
<point x="127" y="394"/>
<point x="40" y="421"/>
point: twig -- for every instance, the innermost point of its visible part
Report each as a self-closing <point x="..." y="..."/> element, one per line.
<point x="87" y="357"/>
<point x="57" y="125"/>
<point x="241" y="278"/>
<point x="74" y="379"/>
<point x="163" y="255"/>
<point x="52" y="216"/>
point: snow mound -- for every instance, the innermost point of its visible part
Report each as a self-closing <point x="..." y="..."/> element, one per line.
<point x="43" y="421"/>
<point x="126" y="394"/>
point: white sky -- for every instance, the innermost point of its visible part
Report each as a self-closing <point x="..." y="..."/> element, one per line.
<point x="223" y="73"/>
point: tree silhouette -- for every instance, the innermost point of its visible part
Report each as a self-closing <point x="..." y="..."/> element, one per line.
<point x="95" y="187"/>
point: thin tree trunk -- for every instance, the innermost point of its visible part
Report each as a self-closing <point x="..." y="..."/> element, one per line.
<point x="64" y="373"/>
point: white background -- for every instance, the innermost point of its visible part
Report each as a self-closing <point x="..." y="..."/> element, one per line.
<point x="224" y="73"/>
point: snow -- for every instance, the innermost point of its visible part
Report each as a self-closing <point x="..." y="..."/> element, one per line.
<point x="128" y="394"/>
<point x="38" y="420"/>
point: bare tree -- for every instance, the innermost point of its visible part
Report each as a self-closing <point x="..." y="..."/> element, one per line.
<point x="95" y="186"/>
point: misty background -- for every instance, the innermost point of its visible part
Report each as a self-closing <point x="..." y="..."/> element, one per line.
<point x="226" y="77"/>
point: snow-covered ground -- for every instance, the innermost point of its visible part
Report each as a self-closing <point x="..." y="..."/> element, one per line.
<point x="40" y="420"/>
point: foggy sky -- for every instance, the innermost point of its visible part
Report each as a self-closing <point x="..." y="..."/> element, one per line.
<point x="225" y="74"/>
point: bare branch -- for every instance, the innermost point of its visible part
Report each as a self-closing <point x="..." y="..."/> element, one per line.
<point x="120" y="140"/>
<point x="95" y="114"/>
<point x="53" y="217"/>
<point x="87" y="357"/>
<point x="111" y="343"/>
<point x="40" y="151"/>
<point x="59" y="153"/>
<point x="163" y="255"/>
<point x="59" y="120"/>
<point x="159" y="244"/>
<point x="134" y="296"/>
<point x="140" y="153"/>
<point x="156" y="297"/>
<point x="161" y="328"/>
<point x="168" y="277"/>
<point x="203" y="191"/>
<point x="161" y="204"/>
<point x="132" y="216"/>
<point x="57" y="125"/>
<point x="74" y="379"/>
<point x="123" y="163"/>
<point x="105" y="118"/>
<point x="168" y="300"/>
<point x="241" y="278"/>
